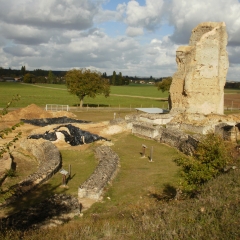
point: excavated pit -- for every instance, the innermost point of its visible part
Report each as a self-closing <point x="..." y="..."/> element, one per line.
<point x="42" y="122"/>
<point x="72" y="135"/>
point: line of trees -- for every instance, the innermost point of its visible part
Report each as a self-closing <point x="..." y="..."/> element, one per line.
<point x="51" y="78"/>
<point x="232" y="85"/>
<point x="46" y="76"/>
<point x="119" y="80"/>
<point x="35" y="76"/>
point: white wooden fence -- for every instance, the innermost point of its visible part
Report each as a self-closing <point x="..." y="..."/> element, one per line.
<point x="56" y="107"/>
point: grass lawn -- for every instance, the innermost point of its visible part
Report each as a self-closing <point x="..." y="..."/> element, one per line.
<point x="57" y="94"/>
<point x="128" y="97"/>
<point x="137" y="177"/>
<point x="229" y="90"/>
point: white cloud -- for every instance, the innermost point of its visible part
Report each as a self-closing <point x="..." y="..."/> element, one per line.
<point x="24" y="34"/>
<point x="185" y="15"/>
<point x="111" y="15"/>
<point x="23" y="51"/>
<point x="148" y="16"/>
<point x="134" y="31"/>
<point x="62" y="34"/>
<point x="70" y="14"/>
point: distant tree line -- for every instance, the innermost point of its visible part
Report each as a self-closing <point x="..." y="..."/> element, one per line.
<point x="35" y="76"/>
<point x="119" y="80"/>
<point x="58" y="77"/>
<point x="234" y="85"/>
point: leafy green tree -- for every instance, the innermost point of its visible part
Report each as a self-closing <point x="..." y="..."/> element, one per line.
<point x="165" y="84"/>
<point x="40" y="79"/>
<point x="126" y="80"/>
<point x="40" y="72"/>
<point x="209" y="160"/>
<point x="120" y="79"/>
<point x="104" y="75"/>
<point x="23" y="70"/>
<point x="51" y="77"/>
<point x="84" y="82"/>
<point x="113" y="82"/>
<point x="29" y="78"/>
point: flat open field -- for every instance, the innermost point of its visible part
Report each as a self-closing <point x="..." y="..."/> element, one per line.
<point x="129" y="97"/>
<point x="120" y="97"/>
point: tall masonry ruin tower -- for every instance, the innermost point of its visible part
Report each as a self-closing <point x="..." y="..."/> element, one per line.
<point x="198" y="84"/>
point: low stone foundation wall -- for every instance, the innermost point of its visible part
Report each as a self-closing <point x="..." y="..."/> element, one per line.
<point x="105" y="171"/>
<point x="198" y="129"/>
<point x="154" y="119"/>
<point x="49" y="160"/>
<point x="176" y="138"/>
<point x="145" y="129"/>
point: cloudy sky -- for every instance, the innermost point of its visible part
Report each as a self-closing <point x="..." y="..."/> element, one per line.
<point x="136" y="37"/>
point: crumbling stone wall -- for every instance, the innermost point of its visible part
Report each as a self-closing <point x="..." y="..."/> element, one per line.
<point x="172" y="137"/>
<point x="49" y="160"/>
<point x="145" y="129"/>
<point x="228" y="132"/>
<point x="105" y="171"/>
<point x="198" y="84"/>
<point x="175" y="138"/>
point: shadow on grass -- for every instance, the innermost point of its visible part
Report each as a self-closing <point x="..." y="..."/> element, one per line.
<point x="35" y="196"/>
<point x="70" y="178"/>
<point x="92" y="105"/>
<point x="37" y="206"/>
<point x="169" y="192"/>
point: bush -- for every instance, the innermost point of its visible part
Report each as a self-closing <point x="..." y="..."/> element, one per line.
<point x="11" y="173"/>
<point x="209" y="160"/>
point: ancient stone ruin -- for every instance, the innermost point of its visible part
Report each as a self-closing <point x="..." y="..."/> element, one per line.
<point x="198" y="84"/>
<point x="196" y="94"/>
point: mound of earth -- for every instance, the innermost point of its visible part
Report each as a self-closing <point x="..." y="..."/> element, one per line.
<point x="33" y="112"/>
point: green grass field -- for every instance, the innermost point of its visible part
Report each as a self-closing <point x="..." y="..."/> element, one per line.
<point x="130" y="97"/>
<point x="57" y="94"/>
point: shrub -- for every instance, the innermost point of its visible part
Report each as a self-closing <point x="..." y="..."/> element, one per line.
<point x="209" y="160"/>
<point x="10" y="173"/>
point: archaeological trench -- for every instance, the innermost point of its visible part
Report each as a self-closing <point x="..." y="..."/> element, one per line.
<point x="197" y="107"/>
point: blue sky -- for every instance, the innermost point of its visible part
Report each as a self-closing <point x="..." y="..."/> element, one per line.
<point x="133" y="37"/>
